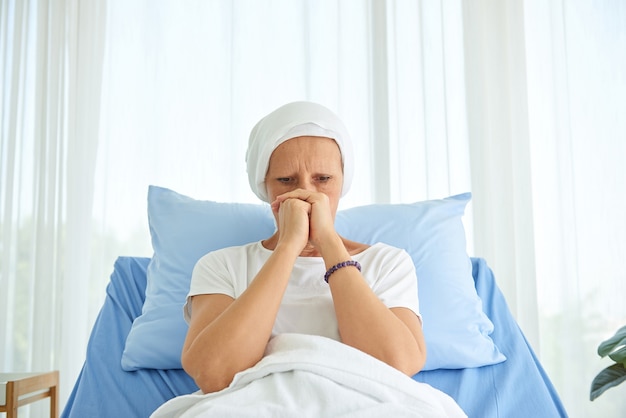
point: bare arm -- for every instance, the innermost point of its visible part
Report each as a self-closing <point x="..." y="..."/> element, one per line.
<point x="391" y="335"/>
<point x="229" y="335"/>
<point x="225" y="335"/>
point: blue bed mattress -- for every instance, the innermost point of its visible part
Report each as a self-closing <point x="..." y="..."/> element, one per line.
<point x="518" y="387"/>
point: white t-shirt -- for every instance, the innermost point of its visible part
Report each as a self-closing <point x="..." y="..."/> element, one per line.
<point x="307" y="305"/>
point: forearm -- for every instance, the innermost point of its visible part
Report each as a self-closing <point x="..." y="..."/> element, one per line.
<point x="366" y="323"/>
<point x="236" y="338"/>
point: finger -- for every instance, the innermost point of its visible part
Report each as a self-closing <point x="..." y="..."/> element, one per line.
<point x="301" y="194"/>
<point x="275" y="205"/>
<point x="296" y="202"/>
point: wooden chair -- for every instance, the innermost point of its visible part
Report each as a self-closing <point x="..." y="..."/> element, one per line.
<point x="19" y="389"/>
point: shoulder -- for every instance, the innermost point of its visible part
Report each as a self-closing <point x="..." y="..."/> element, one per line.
<point x="224" y="255"/>
<point x="386" y="258"/>
<point x="228" y="268"/>
<point x="380" y="249"/>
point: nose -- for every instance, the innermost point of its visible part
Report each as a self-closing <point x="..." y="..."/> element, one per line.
<point x="307" y="185"/>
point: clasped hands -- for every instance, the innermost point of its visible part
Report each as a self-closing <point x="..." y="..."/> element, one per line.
<point x="303" y="217"/>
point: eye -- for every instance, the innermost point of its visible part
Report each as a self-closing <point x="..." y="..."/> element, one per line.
<point x="284" y="179"/>
<point x="324" y="179"/>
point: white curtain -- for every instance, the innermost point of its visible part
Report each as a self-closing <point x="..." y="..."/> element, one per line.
<point x="516" y="101"/>
<point x="181" y="98"/>
<point x="546" y="92"/>
<point x="51" y="56"/>
<point x="577" y="92"/>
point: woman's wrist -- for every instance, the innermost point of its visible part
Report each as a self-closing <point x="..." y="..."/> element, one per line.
<point x="288" y="249"/>
<point x="333" y="251"/>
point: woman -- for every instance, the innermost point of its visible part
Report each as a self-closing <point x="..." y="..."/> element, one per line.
<point x="300" y="161"/>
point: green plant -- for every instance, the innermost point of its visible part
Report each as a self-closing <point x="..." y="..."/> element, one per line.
<point x="615" y="348"/>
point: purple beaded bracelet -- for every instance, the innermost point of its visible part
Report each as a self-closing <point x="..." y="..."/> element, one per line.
<point x="341" y="265"/>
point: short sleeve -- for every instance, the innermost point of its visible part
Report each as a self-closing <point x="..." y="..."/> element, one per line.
<point x="211" y="275"/>
<point x="393" y="279"/>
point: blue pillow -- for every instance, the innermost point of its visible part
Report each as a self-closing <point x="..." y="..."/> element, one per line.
<point x="455" y="327"/>
<point x="183" y="229"/>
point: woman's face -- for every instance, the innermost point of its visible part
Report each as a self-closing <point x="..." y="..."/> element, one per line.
<point x="306" y="162"/>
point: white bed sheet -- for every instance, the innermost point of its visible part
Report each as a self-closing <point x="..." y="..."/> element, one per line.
<point x="311" y="376"/>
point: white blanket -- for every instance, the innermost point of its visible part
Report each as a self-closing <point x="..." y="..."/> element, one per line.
<point x="311" y="376"/>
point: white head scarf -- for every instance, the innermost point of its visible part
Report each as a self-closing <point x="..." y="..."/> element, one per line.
<point x="290" y="121"/>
